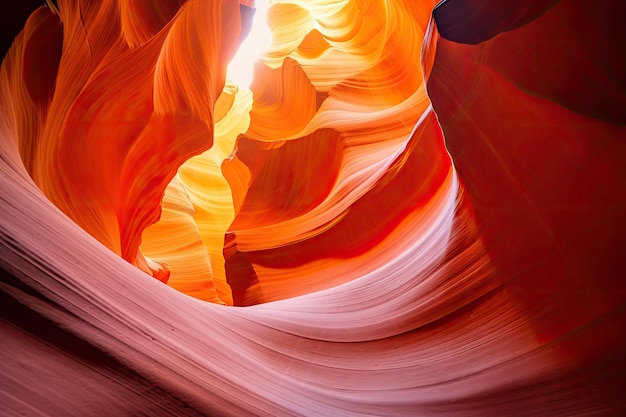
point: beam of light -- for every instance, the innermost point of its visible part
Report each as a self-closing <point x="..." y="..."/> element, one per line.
<point x="363" y="278"/>
<point x="252" y="48"/>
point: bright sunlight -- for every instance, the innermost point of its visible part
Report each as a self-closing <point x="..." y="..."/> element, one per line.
<point x="258" y="41"/>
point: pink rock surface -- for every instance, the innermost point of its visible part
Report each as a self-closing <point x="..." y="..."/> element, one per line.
<point x="494" y="288"/>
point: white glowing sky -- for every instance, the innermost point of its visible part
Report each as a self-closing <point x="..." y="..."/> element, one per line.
<point x="257" y="42"/>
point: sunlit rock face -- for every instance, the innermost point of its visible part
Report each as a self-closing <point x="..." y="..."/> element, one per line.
<point x="422" y="208"/>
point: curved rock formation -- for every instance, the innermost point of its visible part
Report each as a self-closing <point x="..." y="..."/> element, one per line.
<point x="416" y="209"/>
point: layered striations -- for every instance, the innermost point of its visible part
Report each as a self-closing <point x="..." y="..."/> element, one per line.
<point x="421" y="207"/>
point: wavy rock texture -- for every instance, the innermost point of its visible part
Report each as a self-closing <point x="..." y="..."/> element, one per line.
<point x="417" y="208"/>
